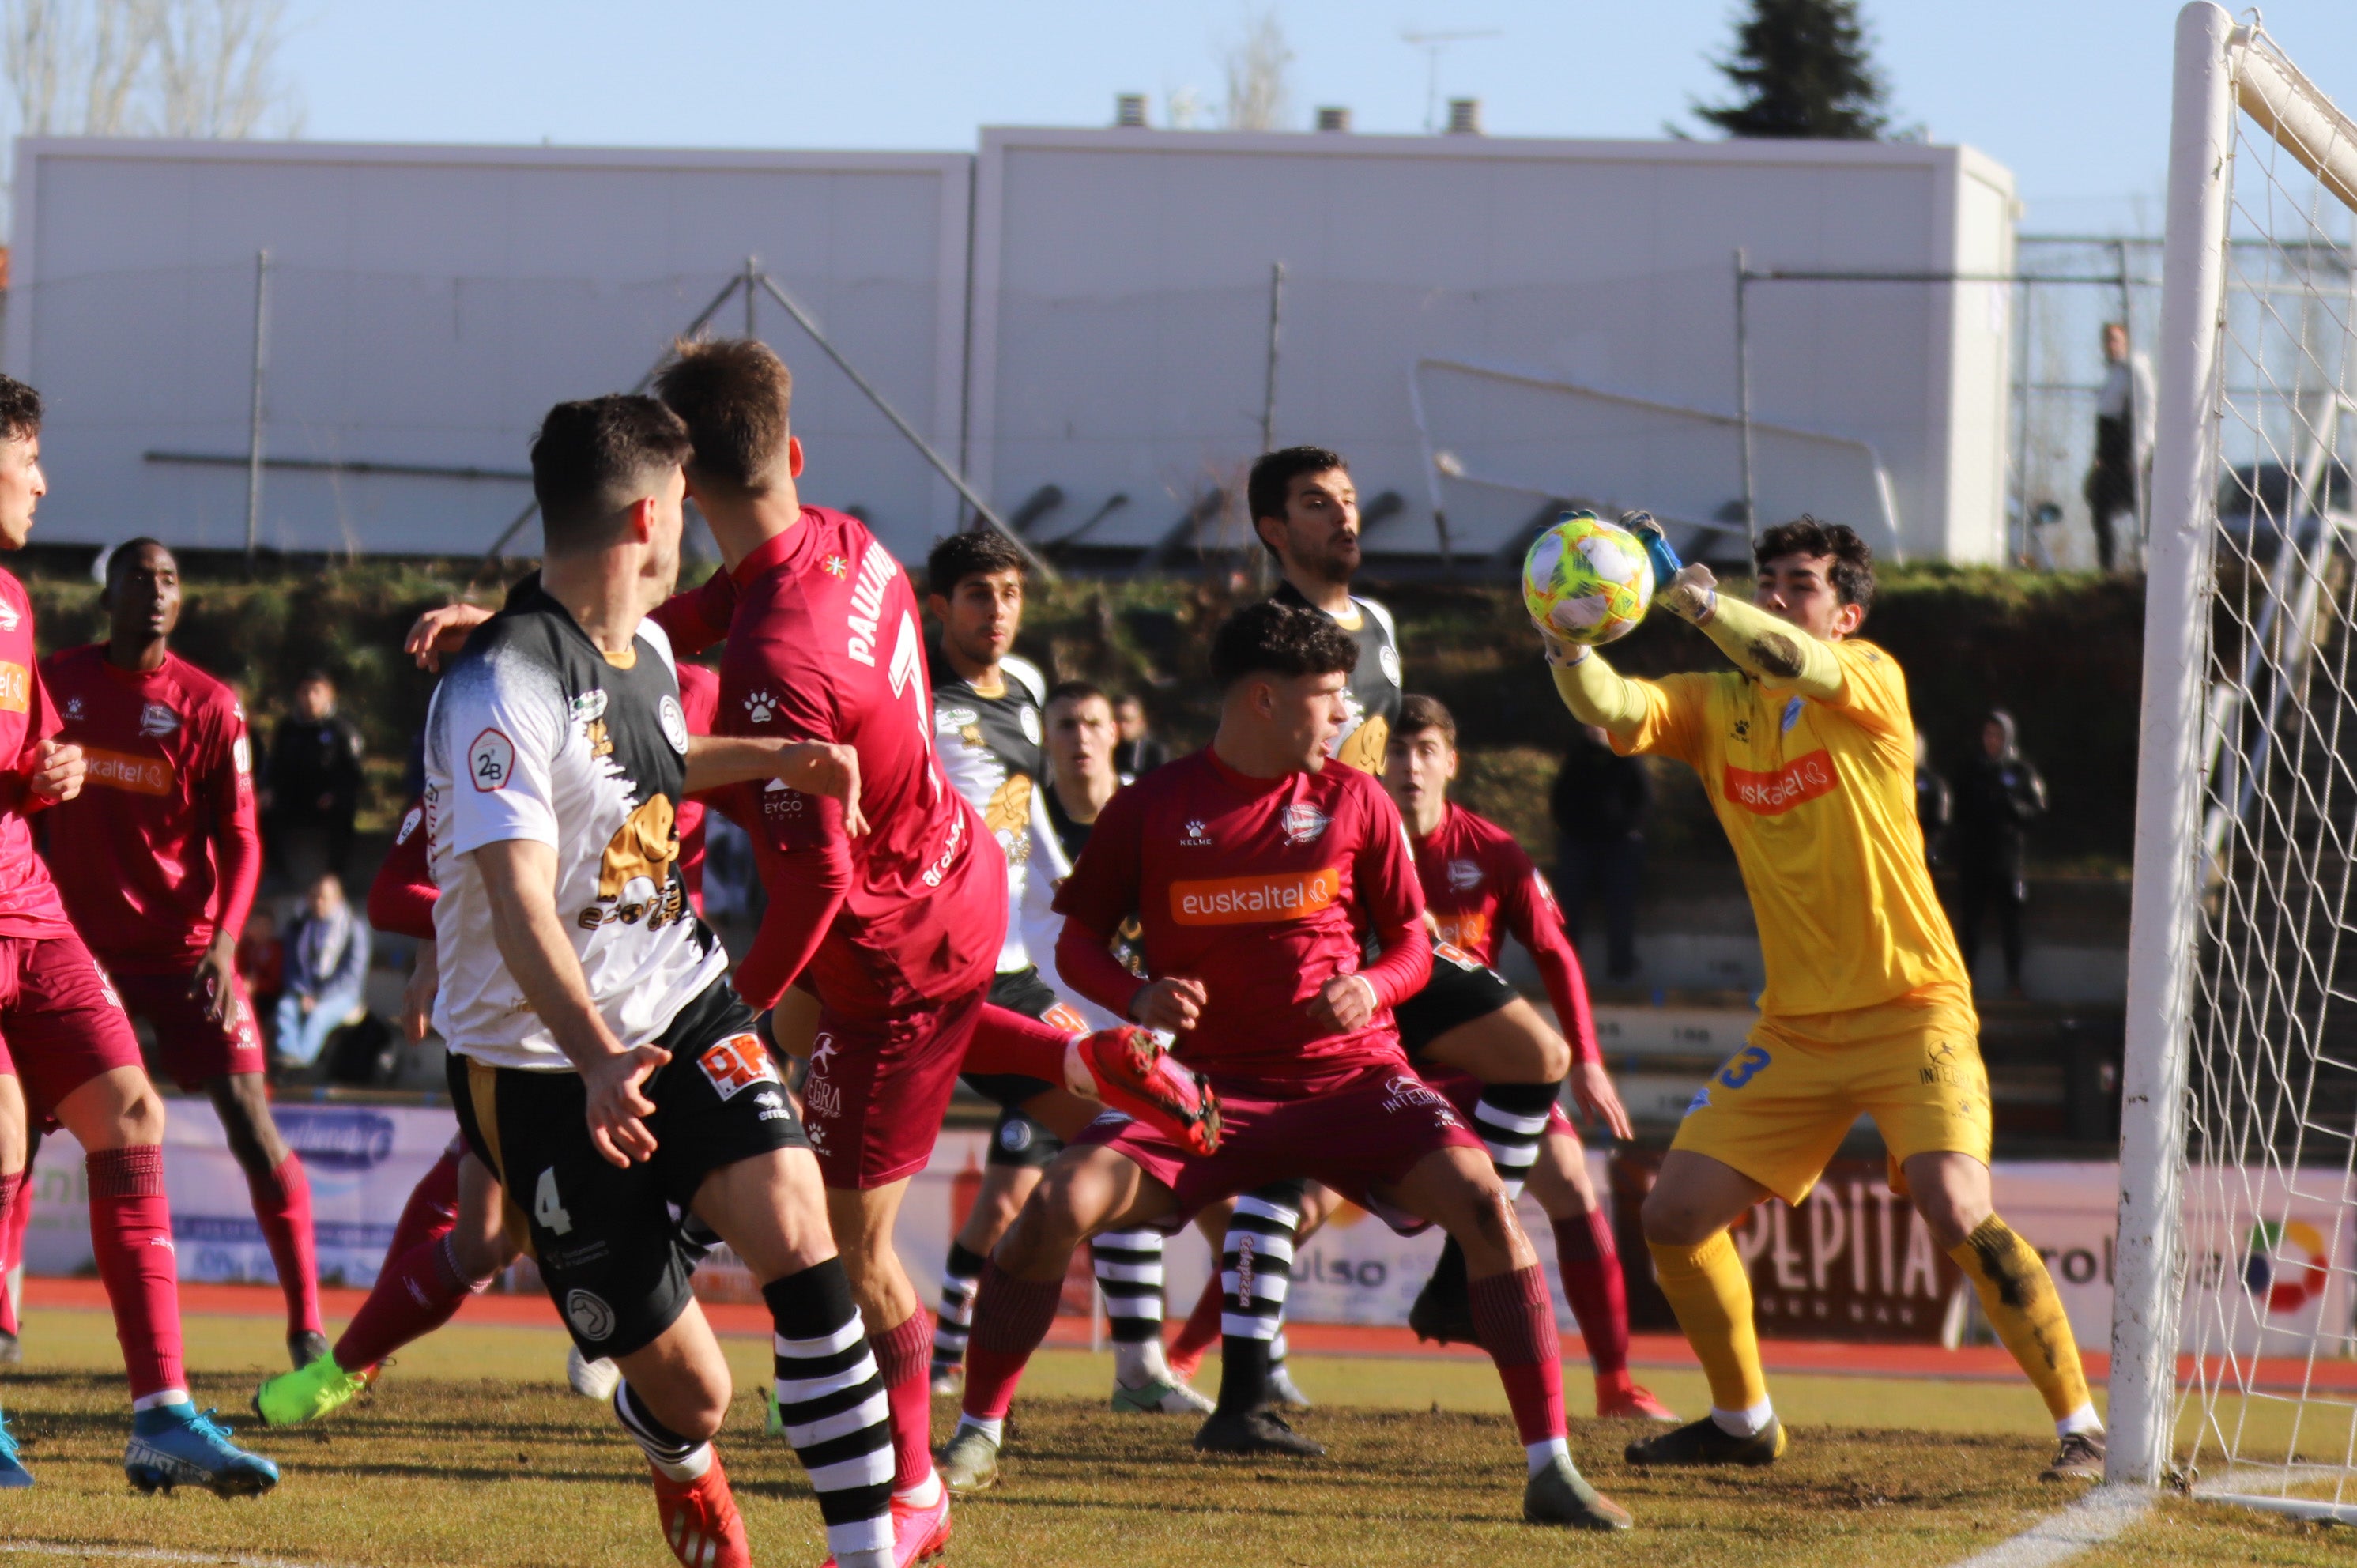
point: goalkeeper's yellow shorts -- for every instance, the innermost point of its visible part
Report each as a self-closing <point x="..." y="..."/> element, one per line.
<point x="1779" y="1109"/>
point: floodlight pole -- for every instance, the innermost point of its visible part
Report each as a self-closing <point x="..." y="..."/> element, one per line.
<point x="1268" y="387"/>
<point x="752" y="276"/>
<point x="254" y="417"/>
<point x="1743" y="388"/>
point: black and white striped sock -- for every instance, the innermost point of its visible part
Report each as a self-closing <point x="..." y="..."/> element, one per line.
<point x="1255" y="1276"/>
<point x="1128" y="1266"/>
<point x="831" y="1399"/>
<point x="681" y="1458"/>
<point x="1511" y="1118"/>
<point x="960" y="1277"/>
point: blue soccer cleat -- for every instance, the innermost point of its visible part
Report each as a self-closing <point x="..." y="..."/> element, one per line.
<point x="13" y="1473"/>
<point x="174" y="1445"/>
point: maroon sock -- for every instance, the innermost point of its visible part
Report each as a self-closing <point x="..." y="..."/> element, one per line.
<point x="1201" y="1329"/>
<point x="432" y="1210"/>
<point x="282" y="1207"/>
<point x="16" y="1199"/>
<point x="904" y="1358"/>
<point x="1590" y="1266"/>
<point x="1010" y="1317"/>
<point x="131" y="1231"/>
<point x="1516" y="1323"/>
<point x="414" y="1295"/>
<point x="1009" y="1042"/>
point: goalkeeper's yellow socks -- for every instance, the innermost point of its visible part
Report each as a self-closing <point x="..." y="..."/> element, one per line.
<point x="2018" y="1296"/>
<point x="1711" y="1294"/>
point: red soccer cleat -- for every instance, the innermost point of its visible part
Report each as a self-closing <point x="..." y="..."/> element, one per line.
<point x="1137" y="1077"/>
<point x="918" y="1534"/>
<point x="1631" y="1401"/>
<point x="700" y="1524"/>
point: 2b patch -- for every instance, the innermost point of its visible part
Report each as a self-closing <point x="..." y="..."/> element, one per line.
<point x="737" y="1063"/>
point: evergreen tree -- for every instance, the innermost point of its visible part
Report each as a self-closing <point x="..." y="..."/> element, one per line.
<point x="1803" y="69"/>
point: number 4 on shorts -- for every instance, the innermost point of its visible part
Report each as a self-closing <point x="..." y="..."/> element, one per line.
<point x="547" y="1209"/>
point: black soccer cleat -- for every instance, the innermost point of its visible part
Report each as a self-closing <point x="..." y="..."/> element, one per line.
<point x="1255" y="1431"/>
<point x="1561" y="1495"/>
<point x="1444" y="1307"/>
<point x="1705" y="1442"/>
<point x="2080" y="1458"/>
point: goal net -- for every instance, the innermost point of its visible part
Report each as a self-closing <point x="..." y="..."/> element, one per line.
<point x="2233" y="1335"/>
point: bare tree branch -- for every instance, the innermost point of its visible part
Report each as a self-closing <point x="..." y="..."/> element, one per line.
<point x="1255" y="63"/>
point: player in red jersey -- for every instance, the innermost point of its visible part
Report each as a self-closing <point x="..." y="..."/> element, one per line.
<point x="1256" y="871"/>
<point x="1481" y="888"/>
<point x="66" y="1053"/>
<point x="157" y="859"/>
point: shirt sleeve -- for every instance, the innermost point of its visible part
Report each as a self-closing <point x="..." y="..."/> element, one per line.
<point x="1677" y="714"/>
<point x="805" y="892"/>
<point x="401" y="899"/>
<point x="1874" y="693"/>
<point x="502" y="733"/>
<point x="1527" y="905"/>
<point x="1103" y="888"/>
<point x="1383" y="873"/>
<point x="237" y="832"/>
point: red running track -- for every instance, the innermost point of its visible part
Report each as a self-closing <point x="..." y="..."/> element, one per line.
<point x="1975" y="1363"/>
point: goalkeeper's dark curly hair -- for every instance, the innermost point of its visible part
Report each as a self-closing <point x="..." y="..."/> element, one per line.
<point x="1270" y="638"/>
<point x="1853" y="568"/>
<point x="20" y="410"/>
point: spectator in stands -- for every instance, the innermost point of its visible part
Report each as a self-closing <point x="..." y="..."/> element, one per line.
<point x="1600" y="803"/>
<point x="311" y="785"/>
<point x="325" y="973"/>
<point x="1935" y="805"/>
<point x="1999" y="795"/>
<point x="2123" y="431"/>
<point x="1139" y="752"/>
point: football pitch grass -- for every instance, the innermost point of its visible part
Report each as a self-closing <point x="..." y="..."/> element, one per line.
<point x="472" y="1451"/>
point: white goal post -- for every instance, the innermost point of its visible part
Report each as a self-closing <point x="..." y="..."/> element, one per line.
<point x="2236" y="1267"/>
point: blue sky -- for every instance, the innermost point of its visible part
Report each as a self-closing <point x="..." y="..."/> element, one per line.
<point x="2071" y="94"/>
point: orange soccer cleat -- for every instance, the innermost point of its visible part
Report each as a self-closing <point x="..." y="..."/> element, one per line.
<point x="1137" y="1078"/>
<point x="700" y="1522"/>
<point x="1628" y="1401"/>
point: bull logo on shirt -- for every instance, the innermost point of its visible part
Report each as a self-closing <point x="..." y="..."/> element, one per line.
<point x="1363" y="736"/>
<point x="634" y="879"/>
<point x="1008" y="816"/>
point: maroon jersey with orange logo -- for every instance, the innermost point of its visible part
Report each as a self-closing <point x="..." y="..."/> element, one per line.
<point x="160" y="849"/>
<point x="30" y="906"/>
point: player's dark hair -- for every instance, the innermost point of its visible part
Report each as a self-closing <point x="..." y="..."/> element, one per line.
<point x="1420" y="714"/>
<point x="1270" y="638"/>
<point x="1852" y="560"/>
<point x="1076" y="692"/>
<point x="21" y="410"/>
<point x="593" y="457"/>
<point x="119" y="559"/>
<point x="735" y="396"/>
<point x="974" y="554"/>
<point x="1271" y="483"/>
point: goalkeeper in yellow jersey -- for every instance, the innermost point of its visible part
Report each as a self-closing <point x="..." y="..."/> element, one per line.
<point x="1807" y="749"/>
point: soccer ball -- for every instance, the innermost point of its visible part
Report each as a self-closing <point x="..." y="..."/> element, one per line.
<point x="1585" y="580"/>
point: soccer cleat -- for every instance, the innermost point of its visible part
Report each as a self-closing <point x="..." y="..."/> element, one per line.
<point x="948" y="1382"/>
<point x="2079" y="1458"/>
<point x="1632" y="1401"/>
<point x="1158" y="1396"/>
<point x="1561" y="1495"/>
<point x="918" y="1534"/>
<point x="968" y="1462"/>
<point x="1705" y="1442"/>
<point x="303" y="1347"/>
<point x="1255" y="1431"/>
<point x="175" y="1444"/>
<point x="1135" y="1077"/>
<point x="773" y="1422"/>
<point x="307" y="1393"/>
<point x="1284" y="1392"/>
<point x="592" y="1379"/>
<point x="1444" y="1307"/>
<point x="700" y="1522"/>
<point x="13" y="1473"/>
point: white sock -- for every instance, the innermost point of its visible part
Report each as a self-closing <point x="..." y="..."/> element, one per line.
<point x="994" y="1429"/>
<point x="696" y="1462"/>
<point x="1137" y="1363"/>
<point x="2084" y="1419"/>
<point x="1744" y="1423"/>
<point x="160" y="1397"/>
<point x="1547" y="1453"/>
<point x="925" y="1493"/>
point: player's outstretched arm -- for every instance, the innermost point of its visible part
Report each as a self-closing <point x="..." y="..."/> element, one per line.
<point x="519" y="875"/>
<point x="1761" y="644"/>
<point x="814" y="768"/>
<point x="439" y="633"/>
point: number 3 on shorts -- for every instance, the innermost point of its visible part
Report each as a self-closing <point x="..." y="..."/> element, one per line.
<point x="546" y="1209"/>
<point x="1739" y="1072"/>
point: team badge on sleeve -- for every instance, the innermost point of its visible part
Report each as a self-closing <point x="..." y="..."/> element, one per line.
<point x="674" y="723"/>
<point x="490" y="760"/>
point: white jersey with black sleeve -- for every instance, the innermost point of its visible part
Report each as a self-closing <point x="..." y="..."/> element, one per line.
<point x="536" y="734"/>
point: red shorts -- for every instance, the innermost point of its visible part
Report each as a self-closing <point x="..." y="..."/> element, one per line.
<point x="191" y="1046"/>
<point x="61" y="1024"/>
<point x="1463" y="1090"/>
<point x="878" y="1087"/>
<point x="1355" y="1134"/>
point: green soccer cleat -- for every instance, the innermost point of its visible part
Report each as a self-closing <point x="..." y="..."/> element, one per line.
<point x="1561" y="1495"/>
<point x="1705" y="1442"/>
<point x="307" y="1393"/>
<point x="1158" y="1396"/>
<point x="773" y="1423"/>
<point x="968" y="1462"/>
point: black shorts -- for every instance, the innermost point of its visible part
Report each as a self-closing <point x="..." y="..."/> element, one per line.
<point x="609" y="1241"/>
<point x="1019" y="990"/>
<point x="1462" y="989"/>
<point x="1020" y="1143"/>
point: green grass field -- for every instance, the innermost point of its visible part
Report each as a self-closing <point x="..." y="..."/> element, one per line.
<point x="473" y="1451"/>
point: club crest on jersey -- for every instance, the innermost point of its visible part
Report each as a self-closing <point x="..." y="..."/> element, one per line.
<point x="1464" y="874"/>
<point x="1303" y="824"/>
<point x="673" y="722"/>
<point x="760" y="707"/>
<point x="490" y="761"/>
<point x="1195" y="837"/>
<point x="1792" y="715"/>
<point x="8" y="616"/>
<point x="1388" y="657"/>
<point x="1030" y="722"/>
<point x="157" y="721"/>
<point x="835" y="566"/>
